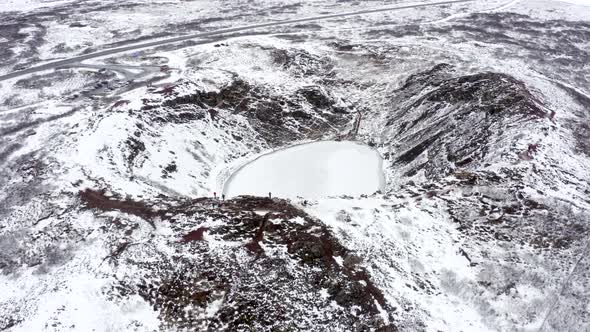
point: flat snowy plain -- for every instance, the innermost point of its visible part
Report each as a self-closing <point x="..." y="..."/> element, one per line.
<point x="311" y="170"/>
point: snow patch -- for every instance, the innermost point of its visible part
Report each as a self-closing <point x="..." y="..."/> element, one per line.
<point x="298" y="221"/>
<point x="28" y="5"/>
<point x="314" y="170"/>
<point x="577" y="2"/>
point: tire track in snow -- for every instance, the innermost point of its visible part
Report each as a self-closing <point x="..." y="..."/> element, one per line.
<point x="134" y="47"/>
<point x="461" y="15"/>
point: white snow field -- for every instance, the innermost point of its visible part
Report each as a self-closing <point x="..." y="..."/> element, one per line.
<point x="577" y="2"/>
<point x="28" y="5"/>
<point x="311" y="170"/>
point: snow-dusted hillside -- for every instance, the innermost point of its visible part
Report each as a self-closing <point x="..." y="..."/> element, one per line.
<point x="478" y="219"/>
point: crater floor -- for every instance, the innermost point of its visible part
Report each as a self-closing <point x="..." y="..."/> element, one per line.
<point x="311" y="170"/>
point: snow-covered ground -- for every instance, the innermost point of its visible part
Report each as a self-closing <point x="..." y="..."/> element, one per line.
<point x="577" y="2"/>
<point x="312" y="170"/>
<point x="478" y="112"/>
<point x="28" y="5"/>
<point x="407" y="248"/>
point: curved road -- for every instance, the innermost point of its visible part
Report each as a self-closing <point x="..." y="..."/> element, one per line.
<point x="133" y="47"/>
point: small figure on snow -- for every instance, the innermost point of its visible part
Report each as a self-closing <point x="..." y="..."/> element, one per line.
<point x="223" y="197"/>
<point x="269" y="195"/>
<point x="215" y="195"/>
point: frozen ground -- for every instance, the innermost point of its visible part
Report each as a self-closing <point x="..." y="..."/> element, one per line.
<point x="29" y="5"/>
<point x="577" y="2"/>
<point x="479" y="112"/>
<point x="310" y="170"/>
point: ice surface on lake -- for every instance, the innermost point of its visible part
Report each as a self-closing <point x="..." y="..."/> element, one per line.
<point x="311" y="170"/>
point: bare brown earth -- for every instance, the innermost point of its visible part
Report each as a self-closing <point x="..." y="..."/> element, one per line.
<point x="308" y="266"/>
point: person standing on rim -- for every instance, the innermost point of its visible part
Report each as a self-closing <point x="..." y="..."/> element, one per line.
<point x="269" y="195"/>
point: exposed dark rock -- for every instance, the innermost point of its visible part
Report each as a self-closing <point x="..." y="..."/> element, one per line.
<point x="279" y="119"/>
<point x="316" y="97"/>
<point x="135" y="148"/>
<point x="263" y="292"/>
<point x="196" y="235"/>
<point x="301" y="63"/>
<point x="455" y="118"/>
<point x="170" y="168"/>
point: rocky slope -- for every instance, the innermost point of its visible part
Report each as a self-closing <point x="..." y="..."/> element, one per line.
<point x="107" y="219"/>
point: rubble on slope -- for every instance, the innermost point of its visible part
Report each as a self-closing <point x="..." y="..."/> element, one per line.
<point x="241" y="264"/>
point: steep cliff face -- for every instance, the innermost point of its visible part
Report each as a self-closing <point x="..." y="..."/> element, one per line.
<point x="503" y="165"/>
<point x="441" y="120"/>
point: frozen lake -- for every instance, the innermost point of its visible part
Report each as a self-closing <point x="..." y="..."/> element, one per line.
<point x="312" y="170"/>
